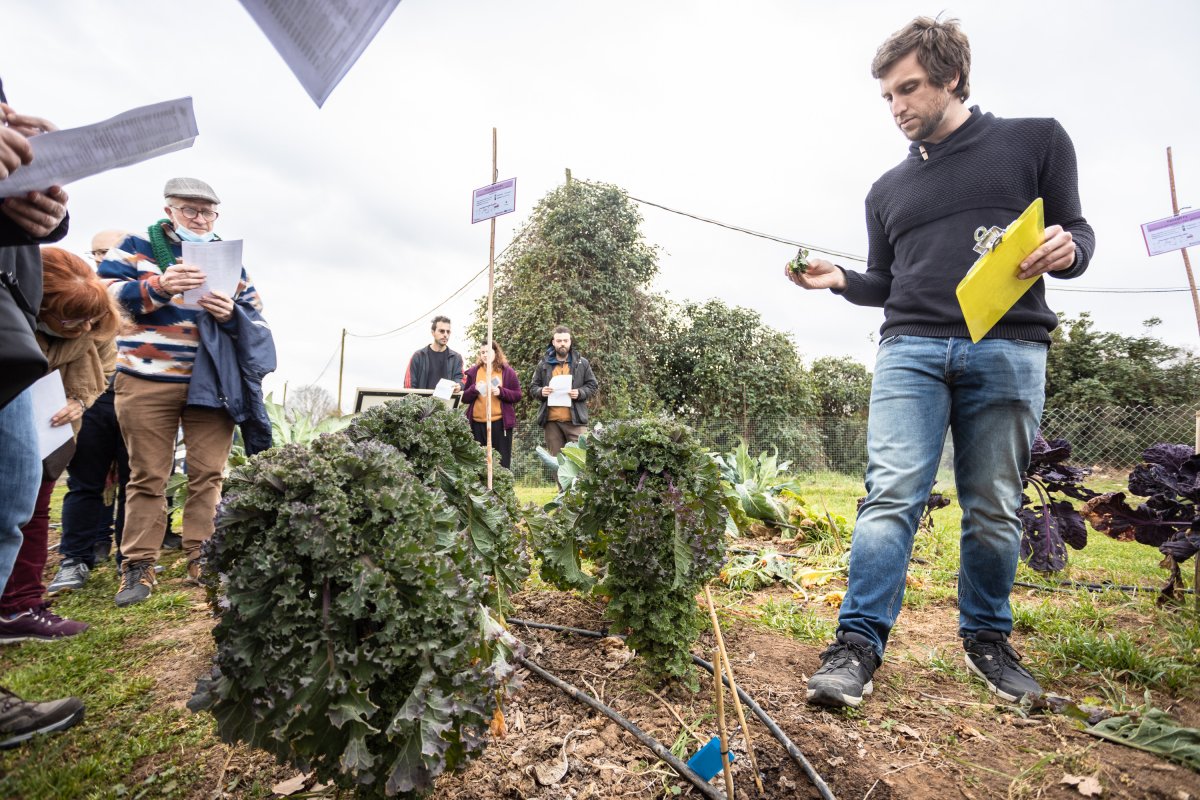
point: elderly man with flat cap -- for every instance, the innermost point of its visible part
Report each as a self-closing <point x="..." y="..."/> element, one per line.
<point x="148" y="277"/>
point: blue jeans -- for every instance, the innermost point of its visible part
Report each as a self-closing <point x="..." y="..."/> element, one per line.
<point x="20" y="476"/>
<point x="86" y="520"/>
<point x="990" y="396"/>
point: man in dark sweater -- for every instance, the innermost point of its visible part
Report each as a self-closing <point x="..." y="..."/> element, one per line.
<point x="436" y="361"/>
<point x="965" y="170"/>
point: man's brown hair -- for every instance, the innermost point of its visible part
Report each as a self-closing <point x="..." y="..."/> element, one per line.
<point x="439" y="318"/>
<point x="941" y="47"/>
<point x="563" y="329"/>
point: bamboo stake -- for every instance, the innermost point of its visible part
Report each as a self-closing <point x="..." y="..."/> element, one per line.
<point x="737" y="703"/>
<point x="724" y="738"/>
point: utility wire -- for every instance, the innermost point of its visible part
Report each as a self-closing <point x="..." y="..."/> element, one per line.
<point x="325" y="369"/>
<point x="420" y="318"/>
<point x="739" y="228"/>
<point x="851" y="256"/>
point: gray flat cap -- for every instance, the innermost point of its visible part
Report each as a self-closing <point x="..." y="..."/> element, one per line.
<point x="190" y="187"/>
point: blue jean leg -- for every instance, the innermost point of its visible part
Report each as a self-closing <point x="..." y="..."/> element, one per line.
<point x="86" y="520"/>
<point x="20" y="476"/>
<point x="998" y="406"/>
<point x="910" y="410"/>
<point x="990" y="395"/>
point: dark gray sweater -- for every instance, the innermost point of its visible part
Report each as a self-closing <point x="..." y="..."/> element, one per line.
<point x="922" y="215"/>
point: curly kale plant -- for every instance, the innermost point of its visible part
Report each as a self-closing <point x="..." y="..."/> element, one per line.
<point x="1051" y="523"/>
<point x="1169" y="478"/>
<point x="438" y="444"/>
<point x="352" y="640"/>
<point x="647" y="508"/>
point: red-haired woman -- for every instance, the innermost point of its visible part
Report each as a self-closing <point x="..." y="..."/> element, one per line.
<point x="493" y="375"/>
<point x="77" y="327"/>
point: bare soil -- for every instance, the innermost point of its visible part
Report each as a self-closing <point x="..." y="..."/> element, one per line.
<point x="923" y="734"/>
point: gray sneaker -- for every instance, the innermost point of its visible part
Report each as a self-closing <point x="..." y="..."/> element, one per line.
<point x="21" y="720"/>
<point x="137" y="581"/>
<point x="72" y="574"/>
<point x="991" y="657"/>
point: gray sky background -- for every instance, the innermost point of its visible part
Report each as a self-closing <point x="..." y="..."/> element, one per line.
<point x="761" y="114"/>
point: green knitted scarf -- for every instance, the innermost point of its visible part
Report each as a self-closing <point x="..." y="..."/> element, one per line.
<point x="163" y="253"/>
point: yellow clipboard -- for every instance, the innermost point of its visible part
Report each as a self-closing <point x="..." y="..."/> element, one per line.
<point x="991" y="287"/>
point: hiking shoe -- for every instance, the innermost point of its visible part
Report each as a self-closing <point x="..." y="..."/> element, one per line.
<point x="991" y="657"/>
<point x="71" y="574"/>
<point x="21" y="720"/>
<point x="845" y="674"/>
<point x="172" y="541"/>
<point x="38" y="625"/>
<point x="137" y="580"/>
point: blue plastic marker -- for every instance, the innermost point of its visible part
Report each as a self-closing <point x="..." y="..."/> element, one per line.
<point x="707" y="761"/>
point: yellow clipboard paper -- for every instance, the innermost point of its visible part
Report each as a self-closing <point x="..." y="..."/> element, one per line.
<point x="991" y="287"/>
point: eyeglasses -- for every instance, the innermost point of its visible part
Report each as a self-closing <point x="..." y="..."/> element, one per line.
<point x="98" y="255"/>
<point x="68" y="324"/>
<point x="191" y="213"/>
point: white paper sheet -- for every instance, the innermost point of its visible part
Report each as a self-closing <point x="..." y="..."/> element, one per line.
<point x="320" y="39"/>
<point x="561" y="394"/>
<point x="222" y="265"/>
<point x="445" y="389"/>
<point x="60" y="157"/>
<point x="49" y="398"/>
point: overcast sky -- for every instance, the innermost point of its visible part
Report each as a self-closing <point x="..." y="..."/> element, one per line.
<point x="761" y="114"/>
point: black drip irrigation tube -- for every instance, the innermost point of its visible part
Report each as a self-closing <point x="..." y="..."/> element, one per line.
<point x="817" y="781"/>
<point x="682" y="769"/>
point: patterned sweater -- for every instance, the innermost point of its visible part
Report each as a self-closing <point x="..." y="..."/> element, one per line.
<point x="161" y="343"/>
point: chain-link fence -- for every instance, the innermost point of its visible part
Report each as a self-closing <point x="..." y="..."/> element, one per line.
<point x="1104" y="438"/>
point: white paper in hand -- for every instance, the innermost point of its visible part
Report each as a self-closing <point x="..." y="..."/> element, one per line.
<point x="49" y="398"/>
<point x="444" y="389"/>
<point x="560" y="394"/>
<point x="222" y="265"/>
<point x="60" y="157"/>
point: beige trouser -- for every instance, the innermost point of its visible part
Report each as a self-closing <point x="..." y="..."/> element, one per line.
<point x="559" y="433"/>
<point x="149" y="413"/>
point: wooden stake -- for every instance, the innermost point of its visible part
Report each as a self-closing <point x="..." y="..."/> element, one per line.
<point x="737" y="702"/>
<point x="723" y="740"/>
<point x="487" y="403"/>
<point x="341" y="370"/>
<point x="1187" y="265"/>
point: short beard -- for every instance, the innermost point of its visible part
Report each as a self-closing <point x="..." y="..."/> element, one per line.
<point x="930" y="124"/>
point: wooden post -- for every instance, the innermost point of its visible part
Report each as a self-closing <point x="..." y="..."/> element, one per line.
<point x="487" y="403"/>
<point x="284" y="403"/>
<point x="1187" y="264"/>
<point x="341" y="371"/>
<point x="733" y="689"/>
<point x="722" y="729"/>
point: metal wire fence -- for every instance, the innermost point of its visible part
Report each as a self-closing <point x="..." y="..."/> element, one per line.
<point x="1107" y="439"/>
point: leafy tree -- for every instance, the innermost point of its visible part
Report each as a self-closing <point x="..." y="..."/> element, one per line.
<point x="1088" y="367"/>
<point x="580" y="261"/>
<point x="718" y="361"/>
<point x="842" y="386"/>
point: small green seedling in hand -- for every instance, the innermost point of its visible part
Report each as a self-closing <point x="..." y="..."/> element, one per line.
<point x="799" y="264"/>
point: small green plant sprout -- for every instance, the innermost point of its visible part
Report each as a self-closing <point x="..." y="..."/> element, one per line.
<point x="799" y="264"/>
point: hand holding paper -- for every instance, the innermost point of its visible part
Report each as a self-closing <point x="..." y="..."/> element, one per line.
<point x="445" y="389"/>
<point x="219" y="264"/>
<point x="560" y="391"/>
